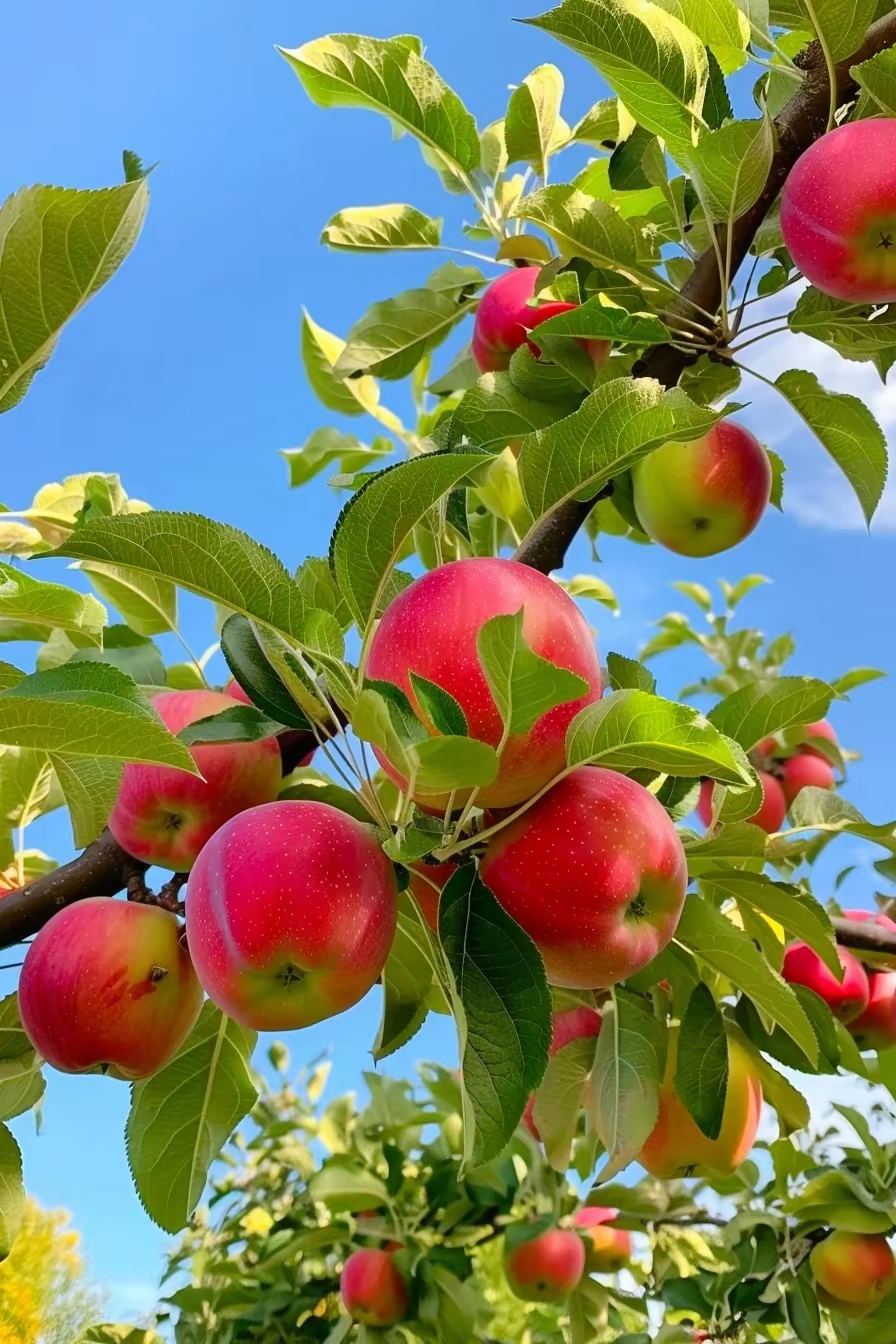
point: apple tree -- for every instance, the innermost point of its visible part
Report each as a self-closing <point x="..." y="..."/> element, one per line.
<point x="495" y="823"/>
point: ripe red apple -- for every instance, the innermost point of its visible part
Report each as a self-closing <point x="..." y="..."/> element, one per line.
<point x="875" y="1028"/>
<point x="677" y="1147"/>
<point x="595" y="873"/>
<point x="423" y="875"/>
<point x="848" y="1000"/>
<point x="109" y="982"/>
<point x="767" y="747"/>
<point x="607" y="1249"/>
<point x="800" y="772"/>
<point x="703" y="497"/>
<point x="547" y="1267"/>
<point x="820" y="729"/>
<point x="506" y="315"/>
<point x="285" y="740"/>
<point x="164" y="816"/>
<point x="291" y="911"/>
<point x="374" y="1291"/>
<point x="771" y="814"/>
<point x="853" y="1270"/>
<point x="431" y="629"/>
<point x="573" y="1024"/>
<point x="838" y="212"/>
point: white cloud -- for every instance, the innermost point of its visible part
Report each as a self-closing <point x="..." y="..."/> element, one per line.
<point x="816" y="493"/>
<point x="128" y="1298"/>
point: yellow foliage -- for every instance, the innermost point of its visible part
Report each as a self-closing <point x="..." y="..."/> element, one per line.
<point x="42" y="1295"/>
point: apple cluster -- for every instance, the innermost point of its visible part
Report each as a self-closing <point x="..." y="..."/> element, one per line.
<point x="784" y="770"/>
<point x="863" y="996"/>
<point x="697" y="498"/>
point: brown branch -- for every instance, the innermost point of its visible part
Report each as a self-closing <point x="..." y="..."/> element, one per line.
<point x="799" y="124"/>
<point x="863" y="936"/>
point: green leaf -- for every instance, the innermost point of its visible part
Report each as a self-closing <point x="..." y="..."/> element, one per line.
<point x="435" y="764"/>
<point x="791" y="1106"/>
<point x="373" y="526"/>
<point x="130" y="653"/>
<point x="388" y="75"/>
<point x="857" y="676"/>
<point x="382" y="228"/>
<point x="533" y="127"/>
<point x="581" y="226"/>
<point x="728" y="950"/>
<point x="729" y="167"/>
<point x="801" y="1307"/>
<point x="182" y="1116"/>
<point x="846" y="427"/>
<point x="407" y="982"/>
<point x="148" y="604"/>
<point x="320" y="352"/>
<point x="524" y="686"/>
<point x="26" y="786"/>
<point x="90" y="787"/>
<point x="243" y="723"/>
<point x="628" y="1068"/>
<point x="798" y="913"/>
<point x="591" y="587"/>
<point x="215" y="560"/>
<point x="246" y="660"/>
<point x="720" y="26"/>
<point x="701" y="1074"/>
<point x="21" y="1085"/>
<point x="9" y="676"/>
<point x="439" y="707"/>
<point x="878" y="78"/>
<point x="306" y="784"/>
<point x="709" y="380"/>
<point x="394" y="336"/>
<point x="593" y="320"/>
<point x="495" y="413"/>
<point x="325" y="448"/>
<point x="502" y="1006"/>
<point x="619" y="424"/>
<point x="459" y="377"/>
<point x="599" y="126"/>
<point x="854" y="330"/>
<point x="633" y="730"/>
<point x="43" y="607"/>
<point x="627" y="674"/>
<point x="347" y="1189"/>
<point x="13" y="1041"/>
<point x="558" y="1102"/>
<point x="318" y="588"/>
<point x="766" y="707"/>
<point x="57" y="249"/>
<point x="12" y="1191"/>
<point x="654" y="63"/>
<point x="841" y="24"/>
<point x="88" y="709"/>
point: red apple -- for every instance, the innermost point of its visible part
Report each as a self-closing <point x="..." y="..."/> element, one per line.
<point x="678" y="1147"/>
<point x="547" y="1267"/>
<point x="853" y="1269"/>
<point x="803" y="771"/>
<point x="875" y="1028"/>
<point x="595" y="873"/>
<point x="423" y="875"/>
<point x="821" y="729"/>
<point x="607" y="1249"/>
<point x="771" y="814"/>
<point x="285" y="740"/>
<point x="848" y="1000"/>
<point x="573" y="1024"/>
<point x="164" y="816"/>
<point x="768" y="747"/>
<point x="109" y="983"/>
<point x="838" y="212"/>
<point x="291" y="911"/>
<point x="432" y="628"/>
<point x="374" y="1291"/>
<point x="703" y="497"/>
<point x="506" y="314"/>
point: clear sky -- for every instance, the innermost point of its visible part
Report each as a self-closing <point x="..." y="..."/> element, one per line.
<point x="184" y="376"/>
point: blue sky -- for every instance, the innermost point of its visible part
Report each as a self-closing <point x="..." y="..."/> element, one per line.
<point x="184" y="376"/>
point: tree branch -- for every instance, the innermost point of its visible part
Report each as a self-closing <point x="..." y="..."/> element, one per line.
<point x="863" y="936"/>
<point x="799" y="124"/>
